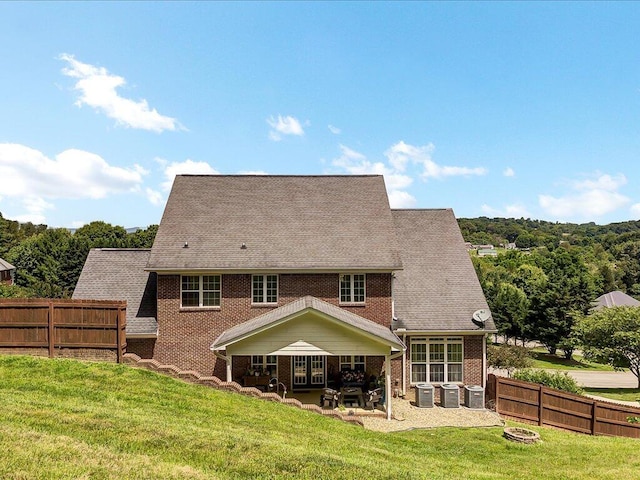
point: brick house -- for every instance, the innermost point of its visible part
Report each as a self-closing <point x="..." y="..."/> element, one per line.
<point x="300" y="278"/>
<point x="7" y="272"/>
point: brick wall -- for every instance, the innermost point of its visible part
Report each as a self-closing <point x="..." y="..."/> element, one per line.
<point x="185" y="335"/>
<point x="143" y="347"/>
<point x="472" y="366"/>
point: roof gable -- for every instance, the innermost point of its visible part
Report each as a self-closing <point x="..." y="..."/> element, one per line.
<point x="250" y="222"/>
<point x="118" y="274"/>
<point x="615" y="299"/>
<point x="438" y="289"/>
<point x="294" y="309"/>
<point x="4" y="265"/>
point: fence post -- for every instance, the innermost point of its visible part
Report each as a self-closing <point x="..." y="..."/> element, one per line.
<point x="51" y="331"/>
<point x="540" y="404"/>
<point x="496" y="393"/>
<point x="594" y="406"/>
<point x="119" y="335"/>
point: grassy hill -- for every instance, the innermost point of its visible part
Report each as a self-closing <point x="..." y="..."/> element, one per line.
<point x="68" y="419"/>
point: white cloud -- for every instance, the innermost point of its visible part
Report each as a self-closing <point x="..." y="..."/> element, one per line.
<point x="284" y="126"/>
<point x="34" y="179"/>
<point x="334" y="130"/>
<point x="355" y="163"/>
<point x="186" y="167"/>
<point x="154" y="197"/>
<point x="589" y="199"/>
<point x="635" y="210"/>
<point x="252" y="172"/>
<point x="509" y="172"/>
<point x="515" y="210"/>
<point x="400" y="199"/>
<point x="98" y="89"/>
<point x="400" y="154"/>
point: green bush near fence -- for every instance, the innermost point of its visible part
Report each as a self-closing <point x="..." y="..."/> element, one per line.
<point x="558" y="380"/>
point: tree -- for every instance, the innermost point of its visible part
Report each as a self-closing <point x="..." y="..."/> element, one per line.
<point x="612" y="335"/>
<point x="509" y="309"/>
<point x="508" y="357"/>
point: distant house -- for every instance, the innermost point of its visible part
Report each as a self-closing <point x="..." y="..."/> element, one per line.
<point x="303" y="278"/>
<point x="615" y="299"/>
<point x="7" y="272"/>
<point x="487" y="252"/>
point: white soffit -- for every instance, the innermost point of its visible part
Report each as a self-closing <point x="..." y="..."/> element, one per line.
<point x="300" y="348"/>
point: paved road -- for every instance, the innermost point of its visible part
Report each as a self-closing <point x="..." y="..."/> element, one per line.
<point x="604" y="379"/>
<point x="595" y="379"/>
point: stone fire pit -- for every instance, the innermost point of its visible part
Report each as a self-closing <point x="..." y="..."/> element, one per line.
<point x="522" y="435"/>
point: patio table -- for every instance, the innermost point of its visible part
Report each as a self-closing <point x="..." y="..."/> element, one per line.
<point x="351" y="394"/>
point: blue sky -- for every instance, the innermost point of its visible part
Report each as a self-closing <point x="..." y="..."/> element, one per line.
<point x="494" y="109"/>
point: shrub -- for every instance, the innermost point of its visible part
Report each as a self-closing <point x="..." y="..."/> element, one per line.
<point x="558" y="380"/>
<point x="508" y="357"/>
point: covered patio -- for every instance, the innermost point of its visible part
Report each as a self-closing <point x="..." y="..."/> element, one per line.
<point x="304" y="344"/>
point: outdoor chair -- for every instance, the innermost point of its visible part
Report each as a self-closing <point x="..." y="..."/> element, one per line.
<point x="373" y="397"/>
<point x="329" y="398"/>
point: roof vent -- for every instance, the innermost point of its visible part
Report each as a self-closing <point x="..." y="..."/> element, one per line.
<point x="243" y="246"/>
<point x="186" y="245"/>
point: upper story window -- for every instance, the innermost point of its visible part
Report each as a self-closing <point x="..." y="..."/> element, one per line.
<point x="352" y="288"/>
<point x="264" y="289"/>
<point x="200" y="291"/>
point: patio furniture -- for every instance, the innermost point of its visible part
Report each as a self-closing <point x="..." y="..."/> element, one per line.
<point x="373" y="398"/>
<point x="351" y="395"/>
<point x="329" y="398"/>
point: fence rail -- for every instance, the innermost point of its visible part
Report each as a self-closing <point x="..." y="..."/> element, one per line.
<point x="534" y="403"/>
<point x="56" y="324"/>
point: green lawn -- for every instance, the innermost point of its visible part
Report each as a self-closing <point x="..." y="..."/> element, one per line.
<point x="625" y="394"/>
<point x="543" y="359"/>
<point x="68" y="419"/>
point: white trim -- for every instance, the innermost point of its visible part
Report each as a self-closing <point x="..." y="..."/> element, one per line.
<point x="142" y="335"/>
<point x="244" y="271"/>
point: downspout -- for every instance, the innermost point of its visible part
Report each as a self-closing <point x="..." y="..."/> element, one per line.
<point x="484" y="361"/>
<point x="404" y="366"/>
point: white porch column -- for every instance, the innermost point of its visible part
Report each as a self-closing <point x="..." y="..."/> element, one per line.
<point x="229" y="374"/>
<point x="387" y="384"/>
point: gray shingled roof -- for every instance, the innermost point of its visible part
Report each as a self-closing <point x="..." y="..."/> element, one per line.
<point x="4" y="265"/>
<point x="438" y="290"/>
<point x="286" y="223"/>
<point x="615" y="299"/>
<point x="298" y="306"/>
<point x="118" y="274"/>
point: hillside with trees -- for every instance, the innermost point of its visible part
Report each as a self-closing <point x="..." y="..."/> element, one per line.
<point x="48" y="261"/>
<point x="538" y="291"/>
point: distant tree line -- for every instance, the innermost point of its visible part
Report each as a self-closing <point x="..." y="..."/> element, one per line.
<point x="48" y="261"/>
<point x="539" y="294"/>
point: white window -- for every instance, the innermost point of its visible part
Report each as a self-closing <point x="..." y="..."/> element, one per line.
<point x="436" y="360"/>
<point x="264" y="289"/>
<point x="265" y="364"/>
<point x="200" y="290"/>
<point x="352" y="288"/>
<point x="352" y="362"/>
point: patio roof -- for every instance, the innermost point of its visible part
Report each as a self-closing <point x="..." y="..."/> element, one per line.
<point x="296" y="310"/>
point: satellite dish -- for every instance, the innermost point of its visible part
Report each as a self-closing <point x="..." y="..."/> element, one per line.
<point x="481" y="316"/>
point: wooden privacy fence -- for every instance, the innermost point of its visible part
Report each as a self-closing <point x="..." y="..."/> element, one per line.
<point x="535" y="403"/>
<point x="63" y="324"/>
